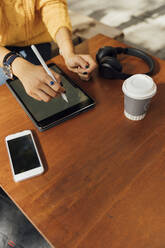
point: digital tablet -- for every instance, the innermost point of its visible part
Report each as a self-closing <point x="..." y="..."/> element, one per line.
<point x="47" y="114"/>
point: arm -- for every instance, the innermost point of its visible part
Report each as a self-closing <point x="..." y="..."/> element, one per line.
<point x="55" y="16"/>
<point x="34" y="78"/>
<point x="81" y="64"/>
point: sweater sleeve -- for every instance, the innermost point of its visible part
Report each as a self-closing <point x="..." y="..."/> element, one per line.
<point x="55" y="15"/>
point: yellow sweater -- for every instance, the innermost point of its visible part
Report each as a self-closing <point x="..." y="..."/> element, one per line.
<point x="26" y="22"/>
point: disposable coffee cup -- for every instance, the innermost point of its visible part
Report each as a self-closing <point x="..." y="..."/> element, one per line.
<point x="138" y="91"/>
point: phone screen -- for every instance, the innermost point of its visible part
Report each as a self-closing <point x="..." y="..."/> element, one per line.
<point x="23" y="154"/>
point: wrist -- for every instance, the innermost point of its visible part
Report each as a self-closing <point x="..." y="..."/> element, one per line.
<point x="66" y="54"/>
<point x="66" y="49"/>
<point x="18" y="66"/>
<point x="64" y="41"/>
<point x="8" y="60"/>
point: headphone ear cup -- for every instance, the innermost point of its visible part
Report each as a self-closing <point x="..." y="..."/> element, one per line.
<point x="113" y="62"/>
<point x="110" y="67"/>
<point x="104" y="52"/>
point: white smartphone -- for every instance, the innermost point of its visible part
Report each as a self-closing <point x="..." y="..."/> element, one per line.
<point x="23" y="155"/>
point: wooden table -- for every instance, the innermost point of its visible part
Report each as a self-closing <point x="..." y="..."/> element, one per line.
<point x="104" y="186"/>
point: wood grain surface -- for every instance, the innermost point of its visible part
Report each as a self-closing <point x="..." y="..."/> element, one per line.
<point x="104" y="183"/>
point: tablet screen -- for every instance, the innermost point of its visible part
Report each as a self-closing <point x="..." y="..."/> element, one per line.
<point x="46" y="113"/>
<point x="42" y="110"/>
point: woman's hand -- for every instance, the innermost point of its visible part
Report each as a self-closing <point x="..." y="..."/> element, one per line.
<point x="81" y="64"/>
<point x="37" y="83"/>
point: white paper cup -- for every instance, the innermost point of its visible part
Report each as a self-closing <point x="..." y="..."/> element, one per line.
<point x="138" y="91"/>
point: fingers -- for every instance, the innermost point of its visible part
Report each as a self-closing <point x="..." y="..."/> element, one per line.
<point x="47" y="89"/>
<point x="56" y="85"/>
<point x="36" y="97"/>
<point x="84" y="65"/>
<point x="76" y="61"/>
<point x="84" y="75"/>
<point x="50" y="88"/>
<point x="42" y="95"/>
<point x="91" y="63"/>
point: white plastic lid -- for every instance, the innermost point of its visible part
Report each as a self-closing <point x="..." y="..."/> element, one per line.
<point x="139" y="86"/>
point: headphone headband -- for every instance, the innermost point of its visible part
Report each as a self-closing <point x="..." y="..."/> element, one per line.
<point x="106" y="58"/>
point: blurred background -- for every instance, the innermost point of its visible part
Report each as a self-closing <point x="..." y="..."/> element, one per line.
<point x="142" y="22"/>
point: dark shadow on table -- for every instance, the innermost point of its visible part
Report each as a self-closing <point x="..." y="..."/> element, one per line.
<point x="15" y="228"/>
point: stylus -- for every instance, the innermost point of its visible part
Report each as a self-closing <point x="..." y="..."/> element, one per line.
<point x="46" y="68"/>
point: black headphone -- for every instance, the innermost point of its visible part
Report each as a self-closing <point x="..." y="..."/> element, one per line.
<point x="111" y="68"/>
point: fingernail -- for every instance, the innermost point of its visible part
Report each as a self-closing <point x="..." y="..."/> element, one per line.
<point x="85" y="73"/>
<point x="61" y="84"/>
